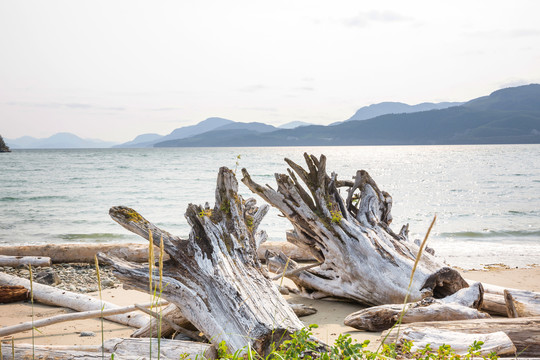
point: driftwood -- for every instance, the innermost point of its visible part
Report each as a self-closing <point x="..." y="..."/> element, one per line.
<point x="15" y="261"/>
<point x="302" y="310"/>
<point x="13" y="293"/>
<point x="49" y="295"/>
<point x="194" y="335"/>
<point x="363" y="259"/>
<point x="494" y="304"/>
<point x="215" y="277"/>
<point x="462" y="305"/>
<point x="496" y="342"/>
<point x="79" y="253"/>
<point x="174" y="319"/>
<point x="9" y="330"/>
<point x="173" y="315"/>
<point x="524" y="332"/>
<point x="84" y="253"/>
<point x="521" y="303"/>
<point x="125" y="349"/>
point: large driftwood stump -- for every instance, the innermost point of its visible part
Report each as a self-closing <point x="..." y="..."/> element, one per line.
<point x="362" y="258"/>
<point x="214" y="276"/>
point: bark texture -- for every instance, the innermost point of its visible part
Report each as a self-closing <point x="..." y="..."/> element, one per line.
<point x="214" y="276"/>
<point x="362" y="258"/>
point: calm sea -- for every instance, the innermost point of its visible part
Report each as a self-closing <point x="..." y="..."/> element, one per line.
<point x="487" y="197"/>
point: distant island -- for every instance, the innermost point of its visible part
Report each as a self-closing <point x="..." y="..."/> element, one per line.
<point x="3" y="146"/>
<point x="506" y="116"/>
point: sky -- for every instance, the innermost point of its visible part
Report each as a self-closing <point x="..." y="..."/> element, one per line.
<point x="116" y="69"/>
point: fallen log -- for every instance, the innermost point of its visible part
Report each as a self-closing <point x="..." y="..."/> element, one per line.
<point x="49" y="295"/>
<point x="496" y="342"/>
<point x="9" y="293"/>
<point x="462" y="305"/>
<point x="214" y="276"/>
<point x="524" y="332"/>
<point x="79" y="253"/>
<point x="9" y="330"/>
<point x="362" y="258"/>
<point x="521" y="303"/>
<point x="85" y="253"/>
<point x="128" y="349"/>
<point x="15" y="261"/>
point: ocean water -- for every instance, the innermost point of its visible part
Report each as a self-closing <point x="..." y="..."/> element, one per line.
<point x="486" y="197"/>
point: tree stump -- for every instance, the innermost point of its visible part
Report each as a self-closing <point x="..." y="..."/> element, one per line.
<point x="214" y="276"/>
<point x="361" y="258"/>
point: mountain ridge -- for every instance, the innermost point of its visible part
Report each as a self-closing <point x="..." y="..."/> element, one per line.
<point x="509" y="115"/>
<point x="485" y="120"/>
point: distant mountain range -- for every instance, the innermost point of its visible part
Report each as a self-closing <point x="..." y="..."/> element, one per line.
<point x="57" y="141"/>
<point x="371" y="111"/>
<point x="510" y="115"/>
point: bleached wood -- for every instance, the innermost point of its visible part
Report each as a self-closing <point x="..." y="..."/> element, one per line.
<point x="496" y="342"/>
<point x="459" y="306"/>
<point x="15" y="261"/>
<point x="524" y="332"/>
<point x="194" y="335"/>
<point x="79" y="253"/>
<point x="521" y="303"/>
<point x="49" y="295"/>
<point x="9" y="330"/>
<point x="171" y="313"/>
<point x="302" y="310"/>
<point x="84" y="253"/>
<point x="363" y="259"/>
<point x="214" y="276"/>
<point x="123" y="349"/>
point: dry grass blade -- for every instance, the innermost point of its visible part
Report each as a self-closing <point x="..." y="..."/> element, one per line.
<point x="417" y="260"/>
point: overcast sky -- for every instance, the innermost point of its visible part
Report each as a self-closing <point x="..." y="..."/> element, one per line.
<point x="116" y="69"/>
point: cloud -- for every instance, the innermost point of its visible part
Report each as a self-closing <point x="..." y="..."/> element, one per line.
<point x="515" y="33"/>
<point x="261" y="109"/>
<point x="524" y="33"/>
<point x="364" y="19"/>
<point x="164" y="109"/>
<point x="76" y="106"/>
<point x="305" y="88"/>
<point x="252" y="88"/>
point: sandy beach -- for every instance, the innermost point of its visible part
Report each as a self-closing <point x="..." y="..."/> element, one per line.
<point x="329" y="317"/>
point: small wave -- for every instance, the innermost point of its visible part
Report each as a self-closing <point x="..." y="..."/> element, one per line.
<point x="47" y="197"/>
<point x="516" y="212"/>
<point x="9" y="198"/>
<point x="518" y="234"/>
<point x="95" y="236"/>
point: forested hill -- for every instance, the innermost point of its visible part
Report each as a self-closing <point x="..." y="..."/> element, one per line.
<point x="509" y="115"/>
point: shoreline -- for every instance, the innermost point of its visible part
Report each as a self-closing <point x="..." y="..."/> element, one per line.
<point x="329" y="317"/>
